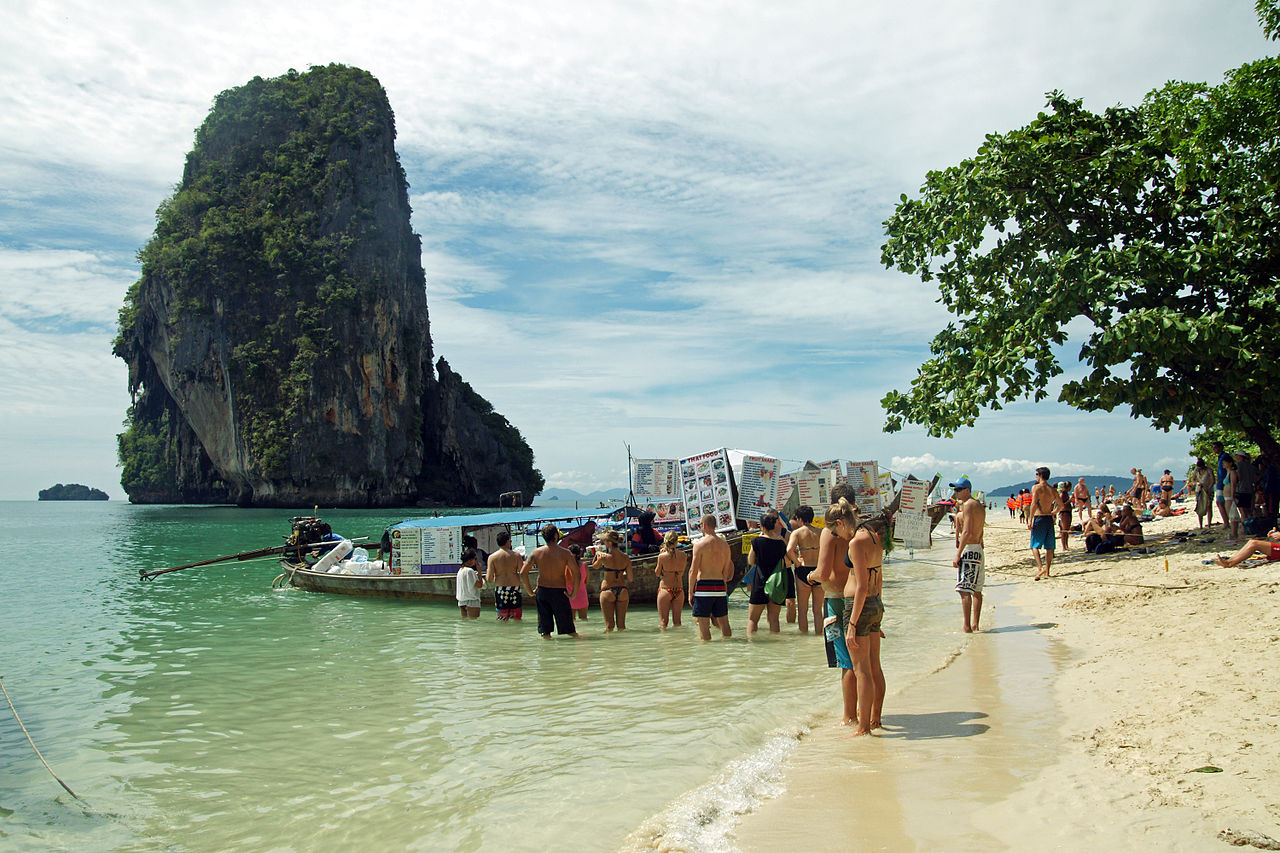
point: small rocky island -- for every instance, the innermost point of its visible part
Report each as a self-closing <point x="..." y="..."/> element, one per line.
<point x="278" y="340"/>
<point x="72" y="492"/>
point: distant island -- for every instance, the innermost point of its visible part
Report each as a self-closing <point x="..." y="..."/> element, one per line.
<point x="72" y="492"/>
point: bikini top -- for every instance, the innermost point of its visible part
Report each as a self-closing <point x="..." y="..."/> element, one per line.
<point x="870" y="569"/>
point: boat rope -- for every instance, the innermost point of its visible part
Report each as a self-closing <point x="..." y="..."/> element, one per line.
<point x="33" y="743"/>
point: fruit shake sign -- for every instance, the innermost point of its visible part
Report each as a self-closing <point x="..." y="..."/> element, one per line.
<point x="758" y="487"/>
<point x="704" y="487"/>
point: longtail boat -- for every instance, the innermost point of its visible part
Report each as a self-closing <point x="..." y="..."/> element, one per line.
<point x="424" y="553"/>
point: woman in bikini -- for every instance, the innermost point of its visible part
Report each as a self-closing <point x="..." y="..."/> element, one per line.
<point x="670" y="570"/>
<point x="833" y="541"/>
<point x="865" y="558"/>
<point x="616" y="565"/>
<point x="1064" y="514"/>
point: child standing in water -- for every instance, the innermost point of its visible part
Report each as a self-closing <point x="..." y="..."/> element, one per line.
<point x="578" y="600"/>
<point x="468" y="587"/>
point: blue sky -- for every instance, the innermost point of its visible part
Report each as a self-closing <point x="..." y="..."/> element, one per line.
<point x="654" y="224"/>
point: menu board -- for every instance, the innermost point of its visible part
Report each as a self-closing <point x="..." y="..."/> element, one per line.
<point x="704" y="487"/>
<point x="441" y="550"/>
<point x="864" y="478"/>
<point x="915" y="494"/>
<point x="656" y="485"/>
<point x="758" y="488"/>
<point x="786" y="485"/>
<point x="811" y="483"/>
<point x="406" y="550"/>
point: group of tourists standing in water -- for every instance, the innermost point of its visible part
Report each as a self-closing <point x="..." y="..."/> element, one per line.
<point x="834" y="574"/>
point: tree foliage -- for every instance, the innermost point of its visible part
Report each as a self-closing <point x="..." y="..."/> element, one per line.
<point x="1153" y="230"/>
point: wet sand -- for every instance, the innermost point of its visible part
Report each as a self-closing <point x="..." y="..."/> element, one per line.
<point x="1077" y="719"/>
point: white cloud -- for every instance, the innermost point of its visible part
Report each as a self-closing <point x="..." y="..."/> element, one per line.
<point x="563" y="157"/>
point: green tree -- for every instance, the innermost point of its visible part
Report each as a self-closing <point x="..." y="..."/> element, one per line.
<point x="1157" y="227"/>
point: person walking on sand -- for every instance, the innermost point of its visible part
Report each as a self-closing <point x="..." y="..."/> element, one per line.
<point x="802" y="549"/>
<point x="833" y="544"/>
<point x="1044" y="506"/>
<point x="970" y="560"/>
<point x="1221" y="483"/>
<point x="503" y="574"/>
<point x="557" y="573"/>
<point x="1081" y="497"/>
<point x="709" y="577"/>
<point x="670" y="571"/>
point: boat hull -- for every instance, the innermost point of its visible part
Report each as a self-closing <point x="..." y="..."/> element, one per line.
<point x="643" y="586"/>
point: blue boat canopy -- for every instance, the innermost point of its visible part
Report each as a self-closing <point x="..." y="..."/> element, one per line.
<point x="534" y="515"/>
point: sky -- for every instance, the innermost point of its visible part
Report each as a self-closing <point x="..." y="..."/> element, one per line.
<point x="653" y="225"/>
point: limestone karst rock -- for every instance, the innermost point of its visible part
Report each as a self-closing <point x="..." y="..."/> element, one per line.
<point x="277" y="340"/>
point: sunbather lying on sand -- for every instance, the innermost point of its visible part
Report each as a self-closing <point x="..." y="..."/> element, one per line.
<point x="1268" y="547"/>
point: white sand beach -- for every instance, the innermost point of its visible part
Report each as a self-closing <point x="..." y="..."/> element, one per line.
<point x="1116" y="705"/>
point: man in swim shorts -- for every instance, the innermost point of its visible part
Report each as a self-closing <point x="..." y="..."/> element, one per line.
<point x="970" y="561"/>
<point x="1045" y="507"/>
<point x="503" y="574"/>
<point x="557" y="571"/>
<point x="709" y="577"/>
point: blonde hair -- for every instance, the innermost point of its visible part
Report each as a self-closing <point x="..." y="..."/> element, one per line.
<point x="841" y="510"/>
<point x="610" y="537"/>
<point x="670" y="540"/>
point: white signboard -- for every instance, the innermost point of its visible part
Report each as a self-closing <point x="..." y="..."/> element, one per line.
<point x="441" y="550"/>
<point x="656" y="484"/>
<point x="811" y="483"/>
<point x="915" y="495"/>
<point x="704" y="487"/>
<point x="913" y="529"/>
<point x="864" y="478"/>
<point x="758" y="488"/>
<point x="406" y="551"/>
<point x="786" y="485"/>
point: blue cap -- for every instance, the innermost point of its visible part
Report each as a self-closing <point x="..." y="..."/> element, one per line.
<point x="962" y="483"/>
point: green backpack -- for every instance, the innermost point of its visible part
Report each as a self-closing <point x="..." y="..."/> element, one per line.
<point x="776" y="586"/>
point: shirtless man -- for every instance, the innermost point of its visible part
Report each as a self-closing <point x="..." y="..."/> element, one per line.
<point x="1081" y="497"/>
<point x="557" y="574"/>
<point x="503" y="574"/>
<point x="802" y="551"/>
<point x="1044" y="508"/>
<point x="970" y="561"/>
<point x="709" y="577"/>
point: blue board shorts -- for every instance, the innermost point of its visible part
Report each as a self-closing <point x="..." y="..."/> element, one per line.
<point x="1042" y="533"/>
<point x="833" y="631"/>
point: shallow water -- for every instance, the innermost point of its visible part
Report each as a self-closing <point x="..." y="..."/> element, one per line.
<point x="207" y="711"/>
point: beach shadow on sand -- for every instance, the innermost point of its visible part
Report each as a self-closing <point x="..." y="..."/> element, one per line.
<point x="934" y="726"/>
<point x="1009" y="629"/>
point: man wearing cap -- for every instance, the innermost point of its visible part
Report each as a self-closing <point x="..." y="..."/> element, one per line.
<point x="970" y="563"/>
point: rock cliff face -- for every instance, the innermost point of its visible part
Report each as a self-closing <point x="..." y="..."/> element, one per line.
<point x="278" y="343"/>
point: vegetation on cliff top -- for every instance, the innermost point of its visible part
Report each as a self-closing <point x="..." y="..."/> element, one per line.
<point x="254" y="215"/>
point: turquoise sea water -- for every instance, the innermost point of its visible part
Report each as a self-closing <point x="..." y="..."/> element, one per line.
<point x="207" y="711"/>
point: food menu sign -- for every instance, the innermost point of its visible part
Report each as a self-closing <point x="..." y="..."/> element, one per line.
<point x="656" y="485"/>
<point x="811" y="483"/>
<point x="864" y="478"/>
<point x="704" y="487"/>
<point x="426" y="550"/>
<point x="915" y="494"/>
<point x="758" y="489"/>
<point x="786" y="485"/>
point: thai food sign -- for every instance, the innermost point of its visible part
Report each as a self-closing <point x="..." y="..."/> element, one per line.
<point x="705" y="490"/>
